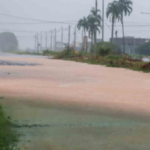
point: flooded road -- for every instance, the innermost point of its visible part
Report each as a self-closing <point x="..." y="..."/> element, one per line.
<point x="64" y="105"/>
<point x="20" y="56"/>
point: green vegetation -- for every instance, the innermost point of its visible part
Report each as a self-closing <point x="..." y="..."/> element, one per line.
<point x="144" y="49"/>
<point x="106" y="56"/>
<point x="8" y="137"/>
<point x="125" y="9"/>
<point x="105" y="48"/>
<point x="116" y="11"/>
<point x="92" y="24"/>
<point x="114" y="14"/>
<point x="49" y="53"/>
<point x="45" y="53"/>
<point x="83" y="23"/>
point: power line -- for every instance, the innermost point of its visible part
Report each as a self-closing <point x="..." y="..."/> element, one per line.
<point x="28" y="23"/>
<point x="39" y="20"/>
<point x="10" y="30"/>
<point x="25" y="36"/>
<point x="132" y="22"/>
<point x="133" y="25"/>
<point x="145" y="13"/>
<point x="142" y="25"/>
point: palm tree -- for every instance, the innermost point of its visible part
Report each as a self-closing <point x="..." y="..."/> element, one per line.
<point x="83" y="23"/>
<point x="94" y="20"/>
<point x="113" y="13"/>
<point x="92" y="28"/>
<point x="125" y="9"/>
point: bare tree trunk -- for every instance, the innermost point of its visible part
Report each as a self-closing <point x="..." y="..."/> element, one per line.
<point x="95" y="40"/>
<point x="84" y="40"/>
<point x="91" y="35"/>
<point x="91" y="39"/>
<point x="122" y="22"/>
<point x="95" y="34"/>
<point x="84" y="32"/>
<point x="112" y="32"/>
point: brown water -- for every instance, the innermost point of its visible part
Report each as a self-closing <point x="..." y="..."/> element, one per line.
<point x="62" y="105"/>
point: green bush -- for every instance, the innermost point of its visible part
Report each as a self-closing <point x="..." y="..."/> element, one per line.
<point x="8" y="137"/>
<point x="49" y="52"/>
<point x="105" y="48"/>
<point x="144" y="49"/>
<point x="45" y="52"/>
<point x="67" y="54"/>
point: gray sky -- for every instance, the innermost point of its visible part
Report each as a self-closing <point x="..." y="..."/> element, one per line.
<point x="66" y="10"/>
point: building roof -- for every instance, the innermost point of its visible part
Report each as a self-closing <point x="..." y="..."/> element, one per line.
<point x="130" y="41"/>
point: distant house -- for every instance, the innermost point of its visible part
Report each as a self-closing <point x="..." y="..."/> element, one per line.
<point x="131" y="43"/>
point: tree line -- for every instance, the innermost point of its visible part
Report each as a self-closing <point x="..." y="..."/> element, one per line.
<point x="116" y="11"/>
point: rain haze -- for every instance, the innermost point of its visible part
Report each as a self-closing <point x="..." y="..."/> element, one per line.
<point x="73" y="77"/>
<point x="57" y="10"/>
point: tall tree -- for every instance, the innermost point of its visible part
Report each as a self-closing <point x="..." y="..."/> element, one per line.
<point x="125" y="10"/>
<point x="92" y="28"/>
<point x="113" y="12"/>
<point x="96" y="5"/>
<point x="83" y="23"/>
<point x="8" y="42"/>
<point x="96" y="24"/>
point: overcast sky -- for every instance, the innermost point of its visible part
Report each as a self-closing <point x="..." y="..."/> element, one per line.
<point x="66" y="10"/>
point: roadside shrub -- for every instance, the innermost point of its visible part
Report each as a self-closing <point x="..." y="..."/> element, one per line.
<point x="105" y="48"/>
<point x="49" y="52"/>
<point x="146" y="67"/>
<point x="68" y="54"/>
<point x="144" y="49"/>
<point x="45" y="52"/>
<point x="8" y="137"/>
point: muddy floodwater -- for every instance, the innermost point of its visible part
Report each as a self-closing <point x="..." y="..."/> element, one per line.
<point x="65" y="105"/>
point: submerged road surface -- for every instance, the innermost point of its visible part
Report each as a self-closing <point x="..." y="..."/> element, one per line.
<point x="64" y="105"/>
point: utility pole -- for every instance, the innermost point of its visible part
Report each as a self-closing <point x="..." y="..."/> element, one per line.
<point x="51" y="45"/>
<point x="62" y="37"/>
<point x="55" y="39"/>
<point x="41" y="41"/>
<point x="103" y="19"/>
<point x="82" y="41"/>
<point x="35" y="41"/>
<point x="96" y="4"/>
<point x="69" y="35"/>
<point x="75" y="33"/>
<point x="46" y="40"/>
